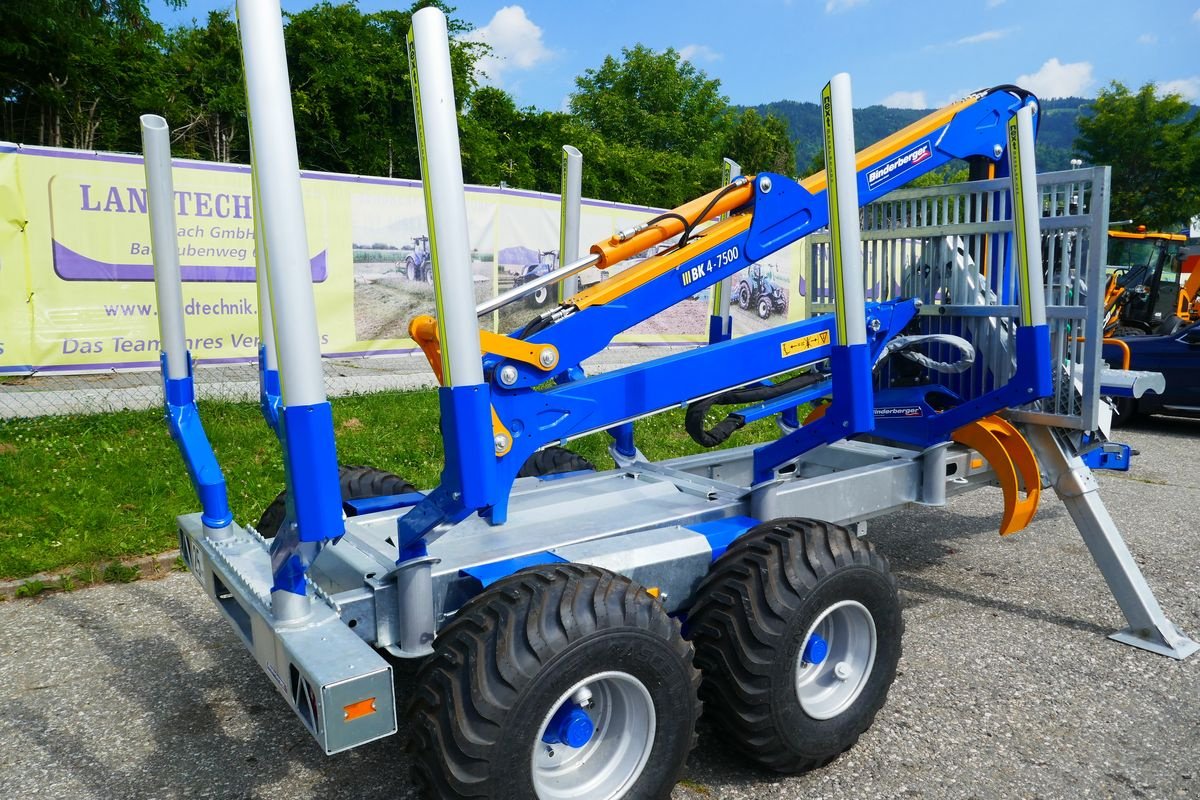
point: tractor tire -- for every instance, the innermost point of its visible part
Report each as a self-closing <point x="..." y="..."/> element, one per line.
<point x="540" y="298"/>
<point x="1170" y="326"/>
<point x="1125" y="331"/>
<point x="743" y="295"/>
<point x="357" y="483"/>
<point x="491" y="714"/>
<point x="765" y="307"/>
<point x="554" y="460"/>
<point x="797" y="631"/>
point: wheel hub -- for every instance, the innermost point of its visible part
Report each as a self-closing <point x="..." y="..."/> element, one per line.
<point x="570" y="725"/>
<point x="836" y="659"/>
<point x="595" y="740"/>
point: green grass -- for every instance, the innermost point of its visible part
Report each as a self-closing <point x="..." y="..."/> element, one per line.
<point x="85" y="491"/>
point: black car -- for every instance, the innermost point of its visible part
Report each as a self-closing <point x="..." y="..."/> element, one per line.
<point x="1177" y="357"/>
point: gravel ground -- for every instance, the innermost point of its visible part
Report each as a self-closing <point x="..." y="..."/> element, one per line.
<point x="1007" y="688"/>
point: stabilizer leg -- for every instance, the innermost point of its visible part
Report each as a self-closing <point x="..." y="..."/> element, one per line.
<point x="1076" y="486"/>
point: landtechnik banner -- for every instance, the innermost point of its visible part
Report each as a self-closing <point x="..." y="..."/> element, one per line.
<point x="76" y="271"/>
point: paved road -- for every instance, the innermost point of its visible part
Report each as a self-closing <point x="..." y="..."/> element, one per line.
<point x="1007" y="688"/>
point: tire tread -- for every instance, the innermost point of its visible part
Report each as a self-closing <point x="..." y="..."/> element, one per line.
<point x="741" y="610"/>
<point x="507" y="635"/>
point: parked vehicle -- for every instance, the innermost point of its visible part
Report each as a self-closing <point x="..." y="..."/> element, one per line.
<point x="418" y="265"/>
<point x="1177" y="357"/>
<point x="1147" y="292"/>
<point x="760" y="292"/>
<point x="547" y="262"/>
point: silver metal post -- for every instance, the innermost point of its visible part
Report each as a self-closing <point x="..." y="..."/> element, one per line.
<point x="266" y="321"/>
<point x="168" y="290"/>
<point x="568" y="224"/>
<point x="1027" y="215"/>
<point x="160" y="203"/>
<point x="846" y="244"/>
<point x="414" y="591"/>
<point x="445" y="200"/>
<point x="281" y="222"/>
<point x="723" y="291"/>
<point x="280" y="230"/>
<point x="933" y="475"/>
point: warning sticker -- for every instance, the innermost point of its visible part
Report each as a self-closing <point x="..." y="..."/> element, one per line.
<point x="805" y="343"/>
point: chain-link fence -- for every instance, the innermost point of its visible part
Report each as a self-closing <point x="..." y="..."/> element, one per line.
<point x="50" y="393"/>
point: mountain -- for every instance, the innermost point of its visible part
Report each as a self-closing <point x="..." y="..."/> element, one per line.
<point x="1056" y="131"/>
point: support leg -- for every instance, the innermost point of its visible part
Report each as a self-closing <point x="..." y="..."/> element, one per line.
<point x="1076" y="486"/>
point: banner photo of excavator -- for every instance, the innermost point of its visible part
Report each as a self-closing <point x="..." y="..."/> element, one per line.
<point x="76" y="274"/>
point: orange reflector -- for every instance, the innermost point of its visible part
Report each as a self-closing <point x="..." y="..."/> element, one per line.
<point x="976" y="463"/>
<point x="360" y="709"/>
<point x="653" y="591"/>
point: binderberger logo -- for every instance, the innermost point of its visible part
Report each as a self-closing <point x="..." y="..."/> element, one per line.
<point x="900" y="164"/>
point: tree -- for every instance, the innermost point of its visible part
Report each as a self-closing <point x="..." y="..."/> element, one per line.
<point x="652" y="100"/>
<point x="1153" y="145"/>
<point x="761" y="144"/>
<point x="652" y="127"/>
<point x="78" y="72"/>
<point x="351" y="93"/>
<point x="494" y="143"/>
<point x="208" y="100"/>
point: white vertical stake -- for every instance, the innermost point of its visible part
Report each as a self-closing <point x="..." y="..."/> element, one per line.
<point x="160" y="203"/>
<point x="445" y="199"/>
<point x="266" y="322"/>
<point x="837" y="112"/>
<point x="277" y="171"/>
<point x="1027" y="215"/>
<point x="723" y="291"/>
<point x="569" y="211"/>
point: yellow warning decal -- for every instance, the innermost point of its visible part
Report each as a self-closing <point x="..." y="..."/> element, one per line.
<point x="805" y="343"/>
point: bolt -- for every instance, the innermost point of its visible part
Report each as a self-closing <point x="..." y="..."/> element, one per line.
<point x="841" y="670"/>
<point x="764" y="184"/>
<point x="547" y="357"/>
<point x="501" y="442"/>
<point x="997" y="150"/>
<point x="508" y="375"/>
<point x="876" y="325"/>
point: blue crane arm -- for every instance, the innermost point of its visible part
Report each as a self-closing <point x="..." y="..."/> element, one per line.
<point x="768" y="212"/>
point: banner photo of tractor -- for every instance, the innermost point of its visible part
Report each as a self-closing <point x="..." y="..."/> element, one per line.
<point x="76" y="274"/>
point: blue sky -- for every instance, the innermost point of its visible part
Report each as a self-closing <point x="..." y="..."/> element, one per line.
<point x="915" y="54"/>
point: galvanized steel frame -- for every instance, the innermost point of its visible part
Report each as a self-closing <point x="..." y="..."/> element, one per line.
<point x="964" y="227"/>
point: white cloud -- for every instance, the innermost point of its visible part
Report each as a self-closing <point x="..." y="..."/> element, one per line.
<point x="1056" y="79"/>
<point x="1187" y="88"/>
<point x="975" y="38"/>
<point x="905" y="100"/>
<point x="838" y="6"/>
<point x="953" y="97"/>
<point x="698" y="52"/>
<point x="986" y="36"/>
<point x="1147" y="38"/>
<point x="1196" y="16"/>
<point x="516" y="43"/>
